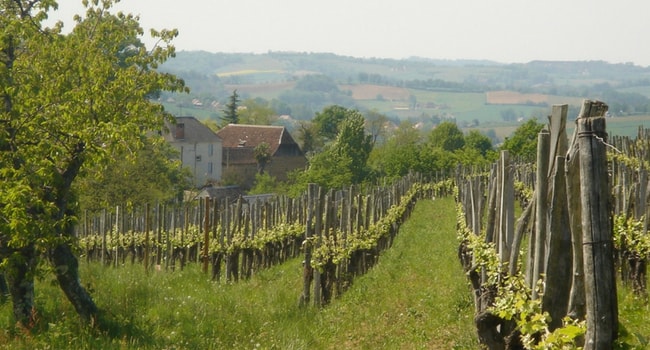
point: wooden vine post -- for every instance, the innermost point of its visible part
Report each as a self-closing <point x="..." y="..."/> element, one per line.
<point x="576" y="307"/>
<point x="600" y="281"/>
<point x="146" y="238"/>
<point x="558" y="257"/>
<point x="541" y="200"/>
<point x="312" y="200"/>
<point x="206" y="236"/>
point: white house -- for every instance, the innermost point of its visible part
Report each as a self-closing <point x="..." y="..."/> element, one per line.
<point x="200" y="149"/>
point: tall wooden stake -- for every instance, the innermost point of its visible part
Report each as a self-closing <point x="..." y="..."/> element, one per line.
<point x="600" y="281"/>
<point x="312" y="202"/>
<point x="206" y="236"/>
<point x="541" y="209"/>
<point x="147" y="227"/>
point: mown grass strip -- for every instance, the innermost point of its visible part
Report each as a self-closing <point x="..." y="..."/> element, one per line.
<point x="416" y="297"/>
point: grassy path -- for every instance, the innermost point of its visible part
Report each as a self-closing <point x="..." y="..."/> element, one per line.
<point x="415" y="298"/>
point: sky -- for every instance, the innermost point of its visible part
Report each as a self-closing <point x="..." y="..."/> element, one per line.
<point x="506" y="31"/>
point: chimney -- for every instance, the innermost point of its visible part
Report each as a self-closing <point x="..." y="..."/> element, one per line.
<point x="180" y="131"/>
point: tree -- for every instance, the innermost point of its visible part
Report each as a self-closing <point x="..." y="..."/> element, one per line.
<point x="344" y="161"/>
<point x="399" y="154"/>
<point x="70" y="103"/>
<point x="475" y="140"/>
<point x="376" y="125"/>
<point x="265" y="183"/>
<point x="262" y="153"/>
<point x="353" y="142"/>
<point x="151" y="175"/>
<point x="328" y="169"/>
<point x="509" y="115"/>
<point x="307" y="136"/>
<point x="231" y="113"/>
<point x="447" y="136"/>
<point x="326" y="123"/>
<point x="523" y="142"/>
<point x="434" y="160"/>
<point x="256" y="112"/>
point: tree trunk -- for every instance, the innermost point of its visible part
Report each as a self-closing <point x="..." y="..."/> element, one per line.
<point x="66" y="268"/>
<point x="4" y="289"/>
<point x="20" y="279"/>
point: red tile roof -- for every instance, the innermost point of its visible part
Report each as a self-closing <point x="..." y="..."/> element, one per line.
<point x="240" y="135"/>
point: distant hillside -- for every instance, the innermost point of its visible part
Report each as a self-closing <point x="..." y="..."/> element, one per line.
<point x="473" y="92"/>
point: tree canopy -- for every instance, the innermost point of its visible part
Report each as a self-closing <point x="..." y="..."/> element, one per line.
<point x="326" y="123"/>
<point x="70" y="102"/>
<point x="523" y="142"/>
<point x="344" y="161"/>
<point x="475" y="140"/>
<point x="405" y="151"/>
<point x="447" y="136"/>
<point x="151" y="175"/>
<point x="256" y="112"/>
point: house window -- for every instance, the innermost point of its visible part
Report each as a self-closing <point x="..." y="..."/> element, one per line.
<point x="209" y="168"/>
<point x="198" y="158"/>
<point x="210" y="149"/>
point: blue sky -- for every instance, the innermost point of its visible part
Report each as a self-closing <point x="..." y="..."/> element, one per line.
<point x="500" y="30"/>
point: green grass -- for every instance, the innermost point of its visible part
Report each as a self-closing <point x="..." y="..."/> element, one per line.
<point x="416" y="297"/>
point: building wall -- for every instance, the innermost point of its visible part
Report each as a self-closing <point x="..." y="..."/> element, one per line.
<point x="203" y="159"/>
<point x="279" y="167"/>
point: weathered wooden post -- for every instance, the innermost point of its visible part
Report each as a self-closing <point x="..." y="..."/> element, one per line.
<point x="312" y="200"/>
<point x="102" y="229"/>
<point x="171" y="232"/>
<point x="159" y="226"/>
<point x="321" y="199"/>
<point x="146" y="237"/>
<point x="600" y="281"/>
<point x="558" y="255"/>
<point x="541" y="210"/>
<point x="558" y="243"/>
<point x="206" y="236"/>
<point x="576" y="308"/>
<point x="185" y="228"/>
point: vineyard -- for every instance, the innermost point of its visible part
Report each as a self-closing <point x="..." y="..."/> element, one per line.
<point x="340" y="233"/>
<point x="541" y="245"/>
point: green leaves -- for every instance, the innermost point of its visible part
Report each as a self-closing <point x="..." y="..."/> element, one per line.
<point x="343" y="161"/>
<point x="513" y="299"/>
<point x="69" y="103"/>
<point x="523" y="142"/>
<point x="629" y="236"/>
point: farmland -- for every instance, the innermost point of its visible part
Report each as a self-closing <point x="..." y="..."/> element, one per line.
<point x="482" y="95"/>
